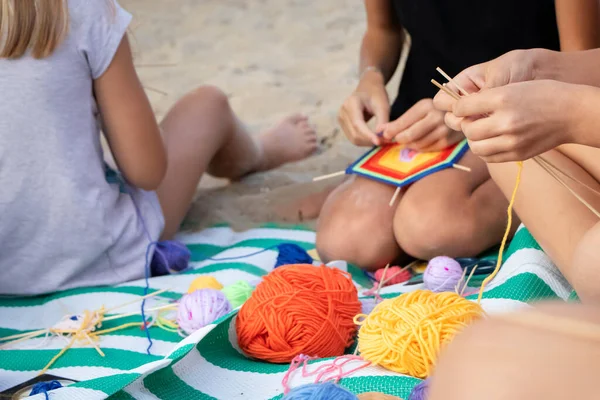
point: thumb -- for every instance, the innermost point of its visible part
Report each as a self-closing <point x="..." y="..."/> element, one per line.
<point x="381" y="111"/>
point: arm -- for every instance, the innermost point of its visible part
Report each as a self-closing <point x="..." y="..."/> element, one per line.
<point x="382" y="43"/>
<point x="578" y="24"/>
<point x="129" y="123"/>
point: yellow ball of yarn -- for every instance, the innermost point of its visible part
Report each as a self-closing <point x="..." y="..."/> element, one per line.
<point x="204" y="282"/>
<point x="405" y="334"/>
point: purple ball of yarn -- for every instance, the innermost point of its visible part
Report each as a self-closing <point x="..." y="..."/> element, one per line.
<point x="200" y="308"/>
<point x="419" y="392"/>
<point x="169" y="257"/>
<point x="442" y="274"/>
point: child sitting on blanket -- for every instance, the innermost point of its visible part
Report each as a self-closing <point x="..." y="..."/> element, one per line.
<point x="451" y="212"/>
<point x="66" y="69"/>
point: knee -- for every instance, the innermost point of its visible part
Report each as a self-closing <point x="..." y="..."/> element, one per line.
<point x="209" y="98"/>
<point x="359" y="235"/>
<point x="427" y="228"/>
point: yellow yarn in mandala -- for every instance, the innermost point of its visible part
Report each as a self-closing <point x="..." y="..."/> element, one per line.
<point x="405" y="334"/>
<point x="204" y="282"/>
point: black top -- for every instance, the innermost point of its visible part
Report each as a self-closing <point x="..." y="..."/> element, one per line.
<point x="455" y="34"/>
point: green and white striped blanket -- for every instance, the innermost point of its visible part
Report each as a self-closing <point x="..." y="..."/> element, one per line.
<point x="208" y="364"/>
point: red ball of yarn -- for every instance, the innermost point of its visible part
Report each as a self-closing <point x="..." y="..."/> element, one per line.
<point x="393" y="275"/>
<point x="299" y="309"/>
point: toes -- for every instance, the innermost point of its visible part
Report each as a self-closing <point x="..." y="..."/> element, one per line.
<point x="297" y="118"/>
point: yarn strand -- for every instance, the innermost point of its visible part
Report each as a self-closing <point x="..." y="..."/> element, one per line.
<point x="506" y="232"/>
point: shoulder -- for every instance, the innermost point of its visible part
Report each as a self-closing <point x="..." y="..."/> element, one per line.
<point x="87" y="13"/>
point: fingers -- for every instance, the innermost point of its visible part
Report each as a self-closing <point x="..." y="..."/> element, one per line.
<point x="352" y="121"/>
<point x="420" y="130"/>
<point x="409" y="118"/>
<point x="481" y="103"/>
<point x="446" y="141"/>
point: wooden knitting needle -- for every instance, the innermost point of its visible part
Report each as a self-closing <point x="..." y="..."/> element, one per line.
<point x="446" y="90"/>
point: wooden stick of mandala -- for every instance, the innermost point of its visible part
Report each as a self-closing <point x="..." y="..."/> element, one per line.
<point x="329" y="176"/>
<point x="395" y="196"/>
<point x="153" y="294"/>
<point x="445" y="75"/>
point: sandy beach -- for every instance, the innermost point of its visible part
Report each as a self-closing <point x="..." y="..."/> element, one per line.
<point x="272" y="58"/>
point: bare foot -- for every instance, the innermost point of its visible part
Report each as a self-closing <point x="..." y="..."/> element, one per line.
<point x="292" y="139"/>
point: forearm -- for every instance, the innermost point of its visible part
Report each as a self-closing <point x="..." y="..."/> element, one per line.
<point x="578" y="23"/>
<point x="583" y="116"/>
<point x="580" y="67"/>
<point x="381" y="49"/>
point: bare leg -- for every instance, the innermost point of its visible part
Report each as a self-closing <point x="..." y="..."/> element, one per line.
<point x="202" y="134"/>
<point x="501" y="360"/>
<point x="452" y="212"/>
<point x="565" y="228"/>
<point x="356" y="225"/>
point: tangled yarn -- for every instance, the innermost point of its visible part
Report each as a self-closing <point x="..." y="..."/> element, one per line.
<point x="200" y="308"/>
<point x="393" y="275"/>
<point x="405" y="334"/>
<point x="320" y="391"/>
<point x="204" y="282"/>
<point x="442" y="274"/>
<point x="238" y="293"/>
<point x="299" y="309"/>
<point x="292" y="254"/>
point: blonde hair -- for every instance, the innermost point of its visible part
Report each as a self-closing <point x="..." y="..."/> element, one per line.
<point x="36" y="25"/>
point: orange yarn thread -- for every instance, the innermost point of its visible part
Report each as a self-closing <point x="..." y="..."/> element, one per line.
<point x="405" y="334"/>
<point x="299" y="309"/>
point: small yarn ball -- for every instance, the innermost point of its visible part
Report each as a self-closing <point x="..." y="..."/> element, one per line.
<point x="204" y="282"/>
<point x="170" y="257"/>
<point x="393" y="275"/>
<point x="320" y="391"/>
<point x="200" y="308"/>
<point x="45" y="387"/>
<point x="299" y="309"/>
<point x="376" y="396"/>
<point x="442" y="274"/>
<point x="405" y="334"/>
<point x="238" y="293"/>
<point x="419" y="392"/>
<point x="292" y="254"/>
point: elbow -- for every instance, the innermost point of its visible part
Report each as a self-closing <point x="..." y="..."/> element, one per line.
<point x="149" y="178"/>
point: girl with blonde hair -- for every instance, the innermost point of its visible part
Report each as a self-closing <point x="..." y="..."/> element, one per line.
<point x="66" y="70"/>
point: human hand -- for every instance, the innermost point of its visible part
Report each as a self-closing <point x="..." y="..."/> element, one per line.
<point x="421" y="128"/>
<point x="518" y="121"/>
<point x="512" y="67"/>
<point x="368" y="100"/>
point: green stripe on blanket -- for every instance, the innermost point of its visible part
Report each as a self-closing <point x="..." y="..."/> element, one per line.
<point x="208" y="364"/>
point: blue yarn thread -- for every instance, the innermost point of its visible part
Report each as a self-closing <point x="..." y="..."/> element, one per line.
<point x="290" y="253"/>
<point x="320" y="391"/>
<point x="44" y="388"/>
<point x="419" y="392"/>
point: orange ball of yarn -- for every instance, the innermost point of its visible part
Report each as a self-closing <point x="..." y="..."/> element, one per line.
<point x="299" y="309"/>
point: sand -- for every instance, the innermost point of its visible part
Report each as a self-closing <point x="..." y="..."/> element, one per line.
<point x="272" y="58"/>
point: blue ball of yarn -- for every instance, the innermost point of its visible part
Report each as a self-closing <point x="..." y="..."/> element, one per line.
<point x="44" y="387"/>
<point x="419" y="392"/>
<point x="290" y="253"/>
<point x="320" y="391"/>
<point x="169" y="257"/>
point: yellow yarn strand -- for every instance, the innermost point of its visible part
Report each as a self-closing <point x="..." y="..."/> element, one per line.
<point x="506" y="233"/>
<point x="405" y="334"/>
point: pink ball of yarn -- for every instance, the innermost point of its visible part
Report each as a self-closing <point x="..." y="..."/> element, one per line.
<point x="397" y="275"/>
<point x="442" y="274"/>
<point x="200" y="308"/>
